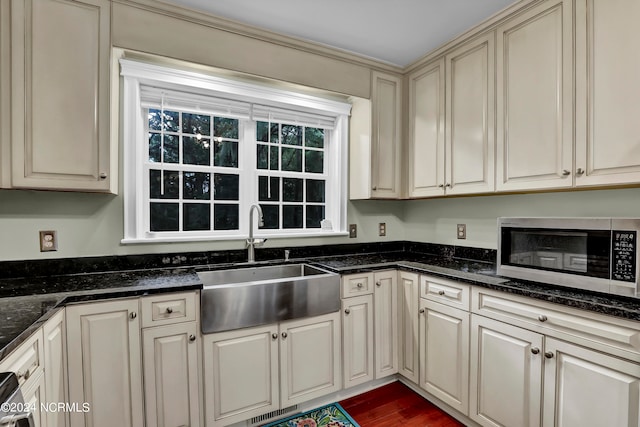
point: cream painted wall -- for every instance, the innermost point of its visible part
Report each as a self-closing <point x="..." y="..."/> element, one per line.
<point x="435" y="220"/>
<point x="92" y="225"/>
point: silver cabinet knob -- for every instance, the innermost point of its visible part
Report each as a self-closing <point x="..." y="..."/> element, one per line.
<point x="441" y="186"/>
<point x="440" y="292"/>
<point x="360" y="285"/>
<point x="103" y="175"/>
<point x="447" y="185"/>
<point x="192" y="338"/>
<point x="542" y="318"/>
<point x="566" y="173"/>
<point x="579" y="172"/>
<point x="24" y="374"/>
<point x="284" y="335"/>
<point x="421" y="311"/>
<point x="535" y="350"/>
<point x="169" y="310"/>
<point x="274" y="336"/>
<point x="548" y="354"/>
<point x="378" y="284"/>
<point x="133" y="315"/>
<point x="347" y="311"/>
<point x="374" y="188"/>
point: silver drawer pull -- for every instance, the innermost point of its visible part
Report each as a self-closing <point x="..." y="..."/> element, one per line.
<point x="274" y="336"/>
<point x="347" y="311"/>
<point x="378" y="284"/>
<point x="535" y="350"/>
<point x="441" y="292"/>
<point x="359" y="285"/>
<point x="543" y="318"/>
<point x="169" y="310"/>
<point x="192" y="338"/>
<point x="421" y="311"/>
<point x="26" y="374"/>
<point x="548" y="354"/>
<point x="133" y="315"/>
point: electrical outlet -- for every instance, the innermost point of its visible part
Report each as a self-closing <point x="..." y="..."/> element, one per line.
<point x="48" y="241"/>
<point x="353" y="230"/>
<point x="462" y="231"/>
<point x="382" y="229"/>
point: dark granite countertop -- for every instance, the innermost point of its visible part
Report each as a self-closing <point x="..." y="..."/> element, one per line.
<point x="26" y="303"/>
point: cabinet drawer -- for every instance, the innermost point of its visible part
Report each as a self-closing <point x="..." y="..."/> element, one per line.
<point x="584" y="327"/>
<point x="357" y="284"/>
<point x="168" y="308"/>
<point x="26" y="361"/>
<point x="454" y="294"/>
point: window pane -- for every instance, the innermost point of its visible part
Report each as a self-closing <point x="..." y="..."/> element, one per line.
<point x="225" y="128"/>
<point x="263" y="157"/>
<point x="314" y="161"/>
<point x="315" y="214"/>
<point x="291" y="135"/>
<point x="171" y="184"/>
<point x="226" y="186"/>
<point x="197" y="185"/>
<point x="271" y="216"/>
<point x="263" y="189"/>
<point x="292" y="189"/>
<point x="171" y="153"/>
<point x="164" y="216"/>
<point x="195" y="151"/>
<point x="171" y="120"/>
<point x="226" y="154"/>
<point x="315" y="191"/>
<point x="225" y="217"/>
<point x="196" y="124"/>
<point x="263" y="136"/>
<point x="291" y="216"/>
<point x="197" y="216"/>
<point x="291" y="159"/>
<point x="314" y="137"/>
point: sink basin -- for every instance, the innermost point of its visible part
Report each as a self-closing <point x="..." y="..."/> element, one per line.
<point x="252" y="296"/>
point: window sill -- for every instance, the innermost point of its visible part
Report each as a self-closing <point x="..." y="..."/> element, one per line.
<point x="186" y="239"/>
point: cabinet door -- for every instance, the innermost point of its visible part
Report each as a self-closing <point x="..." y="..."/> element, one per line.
<point x="506" y="384"/>
<point x="386" y="96"/>
<point x="470" y="141"/>
<point x="357" y="326"/>
<point x="103" y="349"/>
<point x="170" y="363"/>
<point x="5" y="94"/>
<point x="587" y="388"/>
<point x="310" y="356"/>
<point x="409" y="296"/>
<point x="60" y="95"/>
<point x="55" y="367"/>
<point x="240" y="374"/>
<point x="444" y="353"/>
<point x="607" y="92"/>
<point x="34" y="397"/>
<point x="385" y="309"/>
<point x="426" y="130"/>
<point x="534" y="99"/>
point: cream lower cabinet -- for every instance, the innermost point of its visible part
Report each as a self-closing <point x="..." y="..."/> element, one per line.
<point x="251" y="372"/>
<point x="34" y="396"/>
<point x="385" y="323"/>
<point x="55" y="368"/>
<point x="358" y="341"/>
<point x="585" y="388"/>
<point x="444" y="353"/>
<point x="104" y="354"/>
<point x="506" y="380"/>
<point x="170" y="363"/>
<point x="408" y="311"/>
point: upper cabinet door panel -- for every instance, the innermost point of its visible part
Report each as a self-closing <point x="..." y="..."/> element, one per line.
<point x="534" y="99"/>
<point x="60" y="75"/>
<point x="386" y="96"/>
<point x="426" y="131"/>
<point x="470" y="142"/>
<point x="607" y="92"/>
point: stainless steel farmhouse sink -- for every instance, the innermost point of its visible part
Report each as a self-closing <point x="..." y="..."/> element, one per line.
<point x="252" y="296"/>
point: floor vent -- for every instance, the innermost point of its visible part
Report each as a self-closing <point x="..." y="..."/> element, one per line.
<point x="261" y="419"/>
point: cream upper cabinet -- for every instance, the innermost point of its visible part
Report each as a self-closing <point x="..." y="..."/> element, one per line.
<point x="5" y="94"/>
<point x="375" y="145"/>
<point x="426" y="131"/>
<point x="470" y="117"/>
<point x="535" y="99"/>
<point x="60" y="52"/>
<point x="607" y="92"/>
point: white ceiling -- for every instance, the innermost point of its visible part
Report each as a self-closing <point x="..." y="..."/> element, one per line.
<point x="394" y="31"/>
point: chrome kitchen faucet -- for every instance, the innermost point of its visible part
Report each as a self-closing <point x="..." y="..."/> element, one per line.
<point x="253" y="243"/>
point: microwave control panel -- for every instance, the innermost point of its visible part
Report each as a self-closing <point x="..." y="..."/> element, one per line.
<point x="624" y="250"/>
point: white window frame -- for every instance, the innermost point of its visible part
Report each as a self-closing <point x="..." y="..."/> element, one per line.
<point x="139" y="75"/>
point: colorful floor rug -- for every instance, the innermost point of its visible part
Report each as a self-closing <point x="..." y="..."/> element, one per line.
<point x="332" y="415"/>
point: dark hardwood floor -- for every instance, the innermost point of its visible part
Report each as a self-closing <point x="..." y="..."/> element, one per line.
<point x="396" y="405"/>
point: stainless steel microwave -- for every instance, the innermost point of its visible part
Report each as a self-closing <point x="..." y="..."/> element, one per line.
<point x="598" y="254"/>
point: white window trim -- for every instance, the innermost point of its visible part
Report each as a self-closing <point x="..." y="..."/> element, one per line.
<point x="138" y="74"/>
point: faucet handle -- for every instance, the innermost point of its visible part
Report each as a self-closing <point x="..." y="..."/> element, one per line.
<point x="259" y="242"/>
